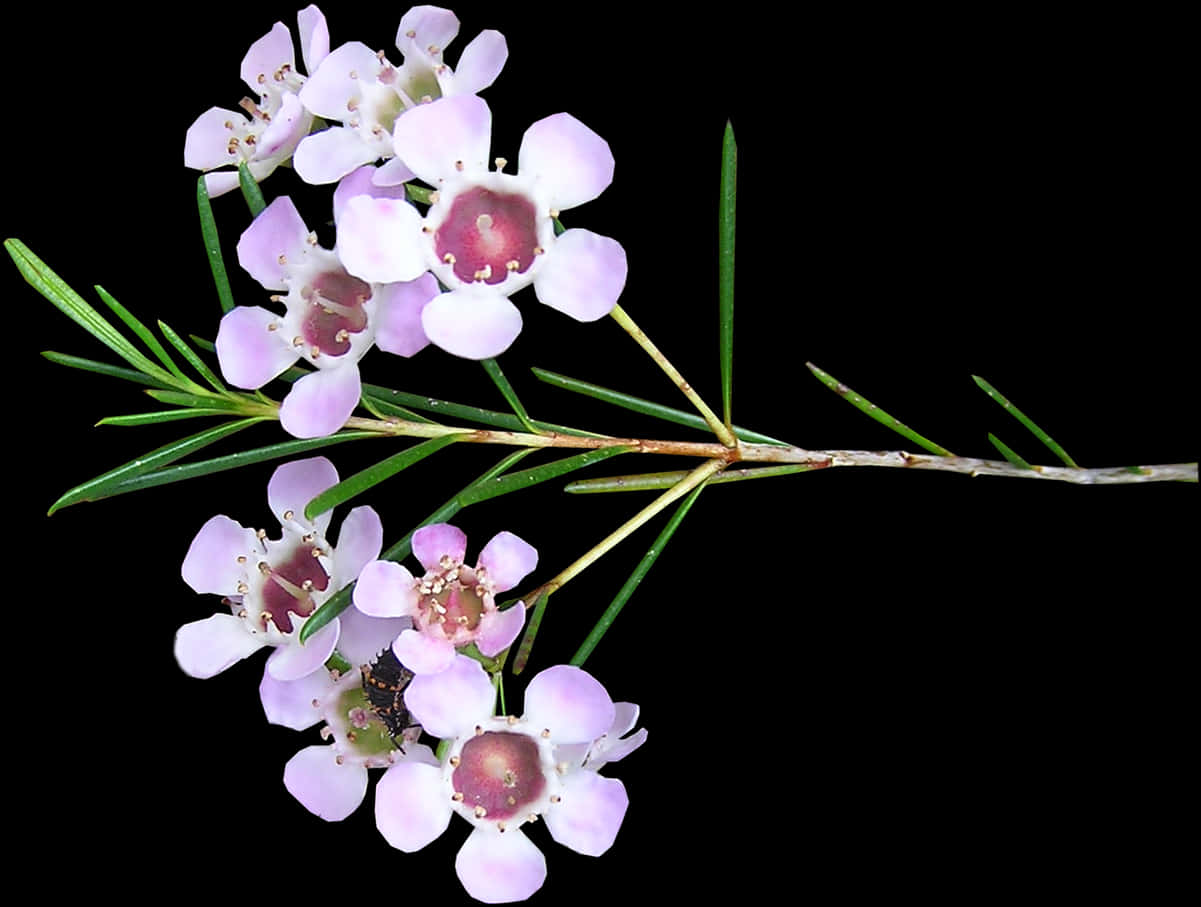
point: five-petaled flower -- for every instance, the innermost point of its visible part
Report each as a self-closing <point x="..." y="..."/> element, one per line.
<point x="501" y="772"/>
<point x="489" y="233"/>
<point x="452" y="604"/>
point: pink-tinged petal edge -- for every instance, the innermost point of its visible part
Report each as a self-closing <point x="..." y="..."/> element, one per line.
<point x="423" y="653"/>
<point x="398" y="328"/>
<point x="385" y="589"/>
<point x="571" y="163"/>
<point x="290" y="702"/>
<point x="451" y="703"/>
<point x="508" y="559"/>
<point x="431" y="542"/>
<point x="471" y="322"/>
<point x="411" y="806"/>
<point x="278" y="232"/>
<point x="583" y="275"/>
<point x="297" y="482"/>
<point x="498" y="629"/>
<point x="293" y="661"/>
<point x="360" y="539"/>
<point x="320" y="403"/>
<point x="449" y="136"/>
<point x="249" y="353"/>
<point x="211" y="564"/>
<point x="570" y="702"/>
<point x="589" y="814"/>
<point x="323" y="787"/>
<point x="205" y="648"/>
<point x="498" y="867"/>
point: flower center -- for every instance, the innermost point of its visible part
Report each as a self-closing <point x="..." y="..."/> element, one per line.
<point x="288" y="586"/>
<point x="487" y="234"/>
<point x="451" y="599"/>
<point x="333" y="311"/>
<point x="360" y="730"/>
<point x="499" y="775"/>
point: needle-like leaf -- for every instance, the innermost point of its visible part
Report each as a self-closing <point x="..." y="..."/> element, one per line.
<point x="1026" y="421"/>
<point x="212" y="246"/>
<point x="250" y="190"/>
<point x="657" y="481"/>
<point x="193" y="360"/>
<point x="143" y="332"/>
<point x="530" y="477"/>
<point x="162" y="415"/>
<point x="103" y="368"/>
<point x="1007" y="453"/>
<point x="492" y="367"/>
<point x="725" y="267"/>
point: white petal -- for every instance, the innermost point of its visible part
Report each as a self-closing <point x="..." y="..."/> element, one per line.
<point x="431" y="543"/>
<point x="328" y="155"/>
<point x="276" y="236"/>
<point x="498" y="867"/>
<point x="205" y="648"/>
<point x="570" y="702"/>
<point x="290" y="702"/>
<point x="508" y="560"/>
<point x="481" y="62"/>
<point x="361" y="181"/>
<point x="571" y="163"/>
<point x="398" y="311"/>
<point x="589" y="814"/>
<point x="474" y="323"/>
<point x="293" y="661"/>
<point x="206" y="144"/>
<point x="379" y="240"/>
<point x="329" y="87"/>
<point x="451" y="703"/>
<point x="359" y="542"/>
<point x="427" y="27"/>
<point x="391" y="174"/>
<point x="249" y="352"/>
<point x="583" y="275"/>
<point x="323" y="787"/>
<point x="385" y="589"/>
<point x="411" y="805"/>
<point x="439" y="140"/>
<point x="319" y="404"/>
<point x="314" y="37"/>
<point x="498" y="629"/>
<point x="297" y="482"/>
<point x="363" y="638"/>
<point x="266" y="55"/>
<point x="423" y="653"/>
<point x="211" y="564"/>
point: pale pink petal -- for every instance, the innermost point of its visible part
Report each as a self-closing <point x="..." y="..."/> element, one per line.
<point x="431" y="28"/>
<point x="411" y="806"/>
<point x="498" y="629"/>
<point x="359" y="542"/>
<point x="444" y="138"/>
<point x="423" y="653"/>
<point x="205" y="648"/>
<point x="276" y="236"/>
<point x="328" y="155"/>
<point x="362" y="182"/>
<point x="379" y="239"/>
<point x="399" y="306"/>
<point x="249" y="352"/>
<point x="472" y="323"/>
<point x="290" y="702"/>
<point x="451" y="703"/>
<point x="211" y="564"/>
<point x="497" y="867"/>
<point x="625" y="716"/>
<point x="266" y="55"/>
<point x="363" y="638"/>
<point x="207" y="143"/>
<point x="319" y="404"/>
<point x="219" y="183"/>
<point x="314" y="37"/>
<point x="288" y="127"/>
<point x="508" y="560"/>
<point x="618" y="750"/>
<point x="391" y="174"/>
<point x="331" y="85"/>
<point x="291" y="662"/>
<point x="583" y="275"/>
<point x="481" y="62"/>
<point x="569" y="702"/>
<point x="571" y="163"/>
<point x="385" y="589"/>
<point x="431" y="543"/>
<point x="323" y="787"/>
<point x="294" y="484"/>
<point x="589" y="815"/>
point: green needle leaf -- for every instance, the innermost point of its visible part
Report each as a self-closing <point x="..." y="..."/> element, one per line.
<point x="383" y="409"/>
<point x="103" y="368"/>
<point x="644" y="566"/>
<point x="657" y="481"/>
<point x="193" y="360"/>
<point x="725" y="267"/>
<point x="418" y="194"/>
<point x="1007" y="453"/>
<point x="373" y="475"/>
<point x="195" y="401"/>
<point x="527" y="478"/>
<point x="866" y="406"/>
<point x="143" y="332"/>
<point x="1026" y="421"/>
<point x="340" y="600"/>
<point x="212" y="246"/>
<point x="98" y="487"/>
<point x="250" y="190"/>
<point x="492" y="367"/>
<point x="538" y="602"/>
<point x="163" y="415"/>
<point x="646" y="407"/>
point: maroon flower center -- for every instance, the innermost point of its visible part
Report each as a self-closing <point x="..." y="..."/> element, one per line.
<point x="499" y="773"/>
<point x="486" y="234"/>
<point x="456" y="605"/>
<point x="287" y="586"/>
<point x="333" y="311"/>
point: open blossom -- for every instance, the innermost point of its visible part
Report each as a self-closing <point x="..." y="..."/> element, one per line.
<point x="363" y="90"/>
<point x="331" y="319"/>
<point x="488" y="233"/>
<point x="501" y="772"/>
<point x="278" y="120"/>
<point x="452" y="604"/>
<point x="272" y="586"/>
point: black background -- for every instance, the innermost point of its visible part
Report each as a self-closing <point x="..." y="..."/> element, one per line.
<point x="856" y="682"/>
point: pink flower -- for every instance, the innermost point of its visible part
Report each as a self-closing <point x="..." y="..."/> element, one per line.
<point x="489" y="233"/>
<point x="501" y="772"/>
<point x="452" y="604"/>
<point x="273" y="586"/>
<point x="331" y="319"/>
<point x="363" y="90"/>
<point x="278" y="121"/>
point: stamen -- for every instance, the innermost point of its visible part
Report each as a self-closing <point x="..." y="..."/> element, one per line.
<point x="480" y="812"/>
<point x="288" y="514"/>
<point x="500" y="163"/>
<point x="457" y="796"/>
<point x="455" y="760"/>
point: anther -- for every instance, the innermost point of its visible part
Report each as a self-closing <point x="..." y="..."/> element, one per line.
<point x="350" y="735"/>
<point x="297" y="341"/>
<point x="264" y="567"/>
<point x="434" y="196"/>
<point x="288" y="514"/>
<point x="243" y="588"/>
<point x="433" y="50"/>
<point x="342" y="336"/>
<point x="500" y="163"/>
<point x="554" y="212"/>
<point x="457" y="796"/>
<point x="273" y="326"/>
<point x="455" y="760"/>
<point x="512" y="719"/>
<point x="449" y="258"/>
<point x="283" y="259"/>
<point x="315" y="353"/>
<point x="538" y="250"/>
<point x="311" y="239"/>
<point x="241" y="558"/>
<point x="307" y="585"/>
<point x="546" y="732"/>
<point x="479" y="731"/>
<point x="326" y="731"/>
<point x="484" y="273"/>
<point x="262" y="77"/>
<point x="480" y="812"/>
<point x="500" y="826"/>
<point x="555" y="798"/>
<point x="409" y="34"/>
<point x="339" y="758"/>
<point x="458" y="165"/>
<point x="512" y="264"/>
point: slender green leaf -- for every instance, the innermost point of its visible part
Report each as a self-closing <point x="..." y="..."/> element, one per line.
<point x="492" y="367"/>
<point x="143" y="332"/>
<point x="250" y="190"/>
<point x="1007" y="453"/>
<point x="870" y="409"/>
<point x="530" y="477"/>
<point x="656" y="481"/>
<point x="646" y="407"/>
<point x="283" y="449"/>
<point x="371" y="476"/>
<point x="162" y="415"/>
<point x="725" y="267"/>
<point x="103" y="368"/>
<point x="337" y="662"/>
<point x="196" y="401"/>
<point x="538" y="603"/>
<point x="419" y="194"/>
<point x="340" y="600"/>
<point x="1026" y="421"/>
<point x="71" y="304"/>
<point x="212" y="246"/>
<point x="207" y="345"/>
<point x="97" y="488"/>
<point x="644" y="566"/>
<point x="384" y="409"/>
<point x="193" y="360"/>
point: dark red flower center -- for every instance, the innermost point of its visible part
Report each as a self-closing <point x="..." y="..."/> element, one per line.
<point x="333" y="311"/>
<point x="486" y="234"/>
<point x="500" y="773"/>
<point x="287" y="586"/>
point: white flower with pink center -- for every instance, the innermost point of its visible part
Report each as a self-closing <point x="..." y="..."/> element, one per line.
<point x="360" y="88"/>
<point x="278" y="120"/>
<point x="501" y="772"/>
<point x="487" y="233"/>
<point x="331" y="320"/>
<point x="272" y="587"/>
<point x="452" y="604"/>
